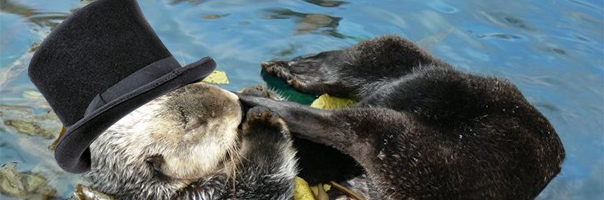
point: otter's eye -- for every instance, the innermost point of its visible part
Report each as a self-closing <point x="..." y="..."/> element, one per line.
<point x="195" y="122"/>
<point x="181" y="110"/>
<point x="155" y="161"/>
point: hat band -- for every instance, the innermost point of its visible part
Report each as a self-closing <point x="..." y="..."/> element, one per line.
<point x="133" y="81"/>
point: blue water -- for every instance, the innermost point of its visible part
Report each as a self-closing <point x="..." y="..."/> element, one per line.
<point x="552" y="50"/>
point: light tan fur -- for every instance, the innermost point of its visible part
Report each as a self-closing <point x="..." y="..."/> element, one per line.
<point x="194" y="129"/>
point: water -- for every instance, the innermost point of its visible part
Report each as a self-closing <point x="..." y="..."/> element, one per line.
<point x="552" y="50"/>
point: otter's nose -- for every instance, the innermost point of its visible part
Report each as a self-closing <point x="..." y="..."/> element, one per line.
<point x="231" y="95"/>
<point x="244" y="107"/>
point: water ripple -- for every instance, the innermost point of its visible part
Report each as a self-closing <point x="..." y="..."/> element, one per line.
<point x="552" y="50"/>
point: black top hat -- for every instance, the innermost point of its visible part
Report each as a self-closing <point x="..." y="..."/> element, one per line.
<point x="99" y="65"/>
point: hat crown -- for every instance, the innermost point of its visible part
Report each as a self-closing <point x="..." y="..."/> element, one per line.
<point x="91" y="51"/>
<point x="97" y="66"/>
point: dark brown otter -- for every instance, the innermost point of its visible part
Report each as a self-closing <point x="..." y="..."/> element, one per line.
<point x="422" y="129"/>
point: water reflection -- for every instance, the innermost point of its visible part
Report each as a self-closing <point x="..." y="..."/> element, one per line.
<point x="28" y="168"/>
<point x="551" y="49"/>
<point x="504" y="36"/>
<point x="306" y="22"/>
<point x="25" y="185"/>
<point x="9" y="6"/>
<point x="50" y="20"/>
<point x="585" y="4"/>
<point x="505" y="19"/>
<point x="86" y="1"/>
<point x="324" y="3"/>
<point x="24" y="120"/>
<point x="192" y="2"/>
<point x="214" y="16"/>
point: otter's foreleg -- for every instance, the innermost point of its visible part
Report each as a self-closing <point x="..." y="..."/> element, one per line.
<point x="366" y="134"/>
<point x="354" y="131"/>
<point x="356" y="71"/>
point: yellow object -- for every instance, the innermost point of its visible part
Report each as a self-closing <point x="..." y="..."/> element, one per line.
<point x="328" y="102"/>
<point x="54" y="144"/>
<point x="217" y="77"/>
<point x="302" y="190"/>
<point x="320" y="191"/>
<point x="315" y="188"/>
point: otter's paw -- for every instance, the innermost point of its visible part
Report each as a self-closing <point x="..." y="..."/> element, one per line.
<point x="296" y="76"/>
<point x="317" y="74"/>
<point x="258" y="91"/>
<point x="260" y="120"/>
<point x="302" y="74"/>
<point x="261" y="91"/>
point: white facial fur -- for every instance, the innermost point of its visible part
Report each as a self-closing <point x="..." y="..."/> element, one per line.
<point x="194" y="129"/>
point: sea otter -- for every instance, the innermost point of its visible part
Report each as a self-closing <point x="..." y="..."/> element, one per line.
<point x="195" y="142"/>
<point x="421" y="128"/>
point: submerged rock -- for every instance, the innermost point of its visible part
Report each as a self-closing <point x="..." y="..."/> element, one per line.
<point x="83" y="192"/>
<point x="24" y="120"/>
<point x="24" y="185"/>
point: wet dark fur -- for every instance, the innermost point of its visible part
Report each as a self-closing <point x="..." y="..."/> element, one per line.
<point x="317" y="163"/>
<point x="422" y="129"/>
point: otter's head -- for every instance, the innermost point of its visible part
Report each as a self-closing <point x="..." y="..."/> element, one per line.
<point x="168" y="143"/>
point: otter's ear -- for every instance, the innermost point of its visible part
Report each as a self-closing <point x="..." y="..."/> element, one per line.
<point x="156" y="161"/>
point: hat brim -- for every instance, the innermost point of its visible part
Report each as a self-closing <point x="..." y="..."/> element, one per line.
<point x="72" y="152"/>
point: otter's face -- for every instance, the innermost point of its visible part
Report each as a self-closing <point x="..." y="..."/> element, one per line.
<point x="167" y="143"/>
<point x="198" y="127"/>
